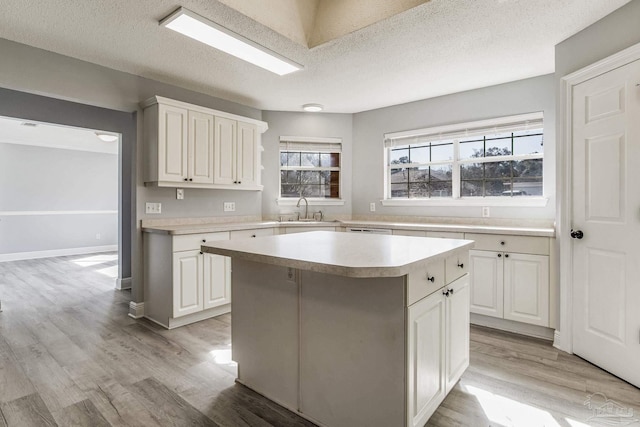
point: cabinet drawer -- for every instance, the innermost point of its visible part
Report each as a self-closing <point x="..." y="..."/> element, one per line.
<point x="445" y="234"/>
<point x="505" y="243"/>
<point x="425" y="280"/>
<point x="409" y="233"/>
<point x="290" y="230"/>
<point x="456" y="266"/>
<point x="190" y="242"/>
<point x="257" y="232"/>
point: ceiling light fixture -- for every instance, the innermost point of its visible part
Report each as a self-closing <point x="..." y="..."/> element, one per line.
<point x="199" y="28"/>
<point x="312" y="108"/>
<point x="107" y="137"/>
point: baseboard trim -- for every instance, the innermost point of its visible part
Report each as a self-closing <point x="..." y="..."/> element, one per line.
<point x="19" y="256"/>
<point x="560" y="342"/>
<point x="511" y="326"/>
<point x="123" y="283"/>
<point x="136" y="310"/>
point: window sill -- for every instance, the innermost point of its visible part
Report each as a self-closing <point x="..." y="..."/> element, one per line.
<point x="312" y="202"/>
<point x="476" y="201"/>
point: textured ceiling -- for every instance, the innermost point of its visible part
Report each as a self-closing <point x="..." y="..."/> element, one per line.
<point x="436" y="48"/>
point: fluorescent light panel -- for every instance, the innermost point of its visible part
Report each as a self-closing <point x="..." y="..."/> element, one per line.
<point x="199" y="28"/>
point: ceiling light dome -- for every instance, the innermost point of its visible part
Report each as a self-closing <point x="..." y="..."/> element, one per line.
<point x="313" y="108"/>
<point x="107" y="137"/>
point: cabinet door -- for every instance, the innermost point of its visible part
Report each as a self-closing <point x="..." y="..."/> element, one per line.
<point x="217" y="280"/>
<point x="457" y="330"/>
<point x="224" y="171"/>
<point x="486" y="268"/>
<point x="526" y="288"/>
<point x="187" y="283"/>
<point x="200" y="148"/>
<point x="172" y="144"/>
<point x="247" y="155"/>
<point x="426" y="358"/>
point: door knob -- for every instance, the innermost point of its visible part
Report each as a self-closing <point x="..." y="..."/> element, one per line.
<point x="577" y="234"/>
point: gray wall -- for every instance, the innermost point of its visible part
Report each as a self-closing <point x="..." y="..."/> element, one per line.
<point x="613" y="33"/>
<point x="524" y="96"/>
<point x="304" y="124"/>
<point x="28" y="69"/>
<point x="49" y="179"/>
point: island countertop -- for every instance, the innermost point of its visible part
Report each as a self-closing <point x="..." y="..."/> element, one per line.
<point x="343" y="254"/>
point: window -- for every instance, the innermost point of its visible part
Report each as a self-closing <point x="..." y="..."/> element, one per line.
<point x="310" y="167"/>
<point x="494" y="158"/>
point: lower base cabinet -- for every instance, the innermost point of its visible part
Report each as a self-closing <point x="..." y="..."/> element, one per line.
<point x="183" y="284"/>
<point x="349" y="352"/>
<point x="438" y="348"/>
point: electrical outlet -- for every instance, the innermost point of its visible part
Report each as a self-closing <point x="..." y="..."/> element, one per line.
<point x="372" y="207"/>
<point x="153" y="208"/>
<point x="98" y="236"/>
<point x="486" y="212"/>
<point x="180" y="193"/>
<point x="229" y="206"/>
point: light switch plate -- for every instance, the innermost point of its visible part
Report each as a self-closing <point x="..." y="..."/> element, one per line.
<point x="229" y="206"/>
<point x="153" y="208"/>
<point x="180" y="193"/>
<point x="486" y="212"/>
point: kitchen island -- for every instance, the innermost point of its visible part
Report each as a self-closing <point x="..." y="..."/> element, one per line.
<point x="348" y="329"/>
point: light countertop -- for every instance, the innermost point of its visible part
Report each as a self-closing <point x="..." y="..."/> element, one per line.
<point x="455" y="228"/>
<point x="179" y="229"/>
<point x="344" y="254"/>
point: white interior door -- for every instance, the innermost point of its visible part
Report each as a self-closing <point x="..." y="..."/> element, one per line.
<point x="606" y="209"/>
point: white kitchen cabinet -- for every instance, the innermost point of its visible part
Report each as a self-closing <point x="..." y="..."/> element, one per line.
<point x="183" y="284"/>
<point x="237" y="153"/>
<point x="426" y="358"/>
<point x="511" y="284"/>
<point x="196" y="147"/>
<point x="457" y="331"/>
<point x="172" y="143"/>
<point x="200" y="148"/>
<point x="247" y="155"/>
<point x="526" y="288"/>
<point x="216" y="280"/>
<point x="487" y="272"/>
<point x="438" y="348"/>
<point x="187" y="283"/>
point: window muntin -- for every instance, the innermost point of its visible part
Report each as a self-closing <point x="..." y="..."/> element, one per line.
<point x="309" y="171"/>
<point x="501" y="161"/>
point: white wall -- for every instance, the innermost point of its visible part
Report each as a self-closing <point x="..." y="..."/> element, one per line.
<point x="304" y="124"/>
<point x="39" y="179"/>
<point x="524" y="96"/>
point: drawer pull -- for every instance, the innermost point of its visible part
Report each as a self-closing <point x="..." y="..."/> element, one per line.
<point x="461" y="265"/>
<point x="506" y="255"/>
<point x="445" y="293"/>
<point x="502" y="242"/>
<point x="204" y="240"/>
<point x="451" y="290"/>
<point x="499" y="255"/>
<point x="253" y="235"/>
<point x="201" y="253"/>
<point x="431" y="279"/>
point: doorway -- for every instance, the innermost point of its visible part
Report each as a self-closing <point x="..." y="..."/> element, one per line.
<point x="60" y="191"/>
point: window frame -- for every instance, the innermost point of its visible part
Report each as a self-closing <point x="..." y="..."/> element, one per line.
<point x="311" y="145"/>
<point x="454" y="133"/>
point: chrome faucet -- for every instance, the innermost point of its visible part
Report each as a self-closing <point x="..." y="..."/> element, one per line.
<point x="306" y="206"/>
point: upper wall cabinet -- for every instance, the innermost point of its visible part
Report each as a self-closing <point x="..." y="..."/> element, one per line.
<point x="191" y="146"/>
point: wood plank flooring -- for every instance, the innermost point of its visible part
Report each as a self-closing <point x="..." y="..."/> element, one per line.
<point x="70" y="356"/>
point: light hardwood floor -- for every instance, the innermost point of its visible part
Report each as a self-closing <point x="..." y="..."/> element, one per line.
<point x="70" y="356"/>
